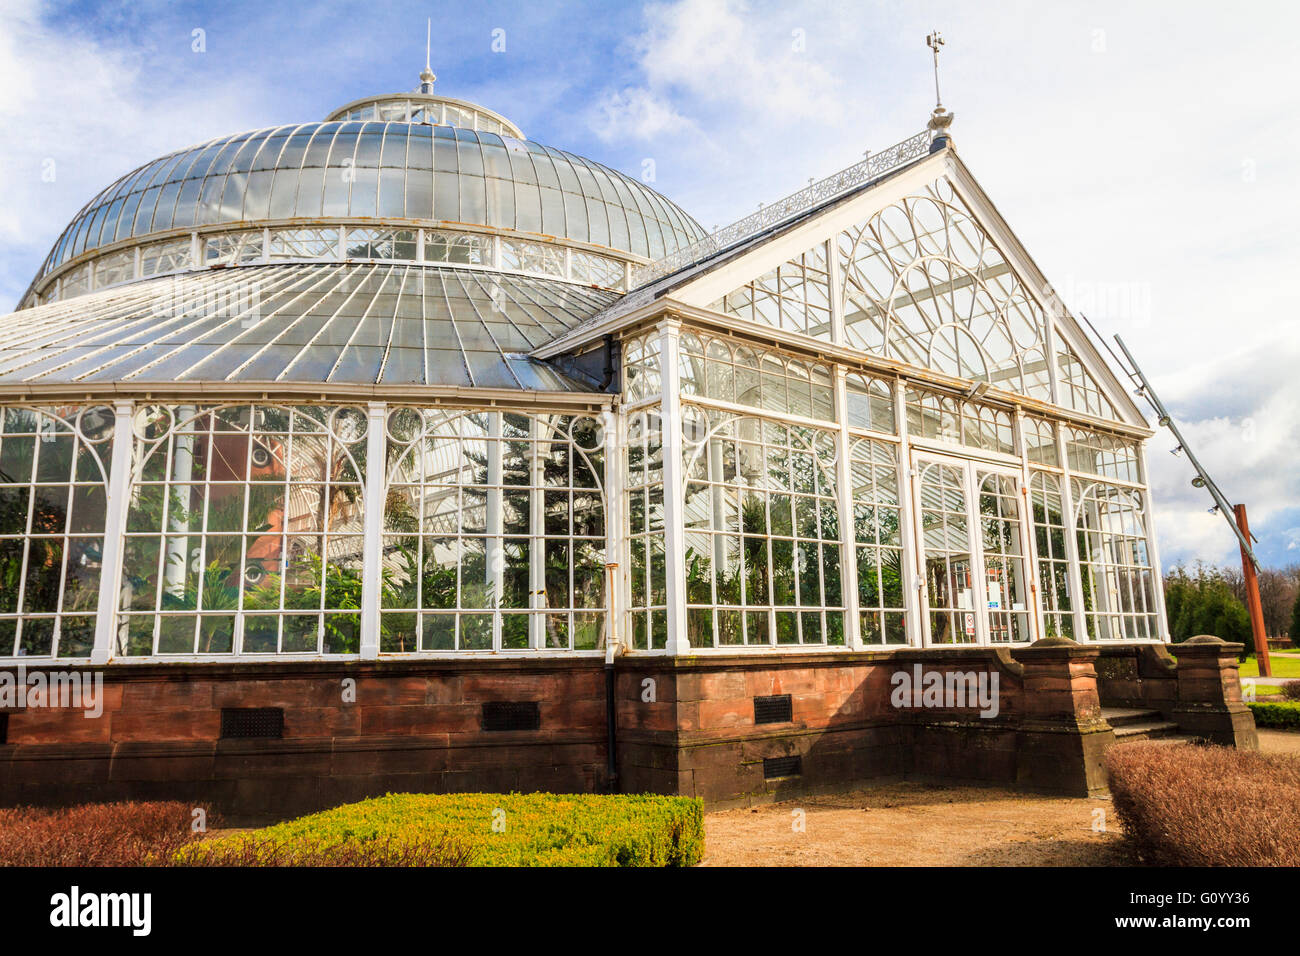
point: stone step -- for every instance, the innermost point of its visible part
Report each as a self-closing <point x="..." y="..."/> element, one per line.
<point x="1124" y="716"/>
<point x="1147" y="730"/>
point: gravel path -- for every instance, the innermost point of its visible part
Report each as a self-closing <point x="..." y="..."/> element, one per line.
<point x="910" y="824"/>
<point x="1279" y="741"/>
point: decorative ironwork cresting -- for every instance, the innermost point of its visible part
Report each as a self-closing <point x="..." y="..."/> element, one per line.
<point x="860" y="173"/>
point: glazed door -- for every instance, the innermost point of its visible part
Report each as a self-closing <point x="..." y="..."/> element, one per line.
<point x="969" y="526"/>
<point x="1007" y="598"/>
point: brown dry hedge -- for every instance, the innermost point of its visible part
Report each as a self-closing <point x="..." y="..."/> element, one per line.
<point x="96" y="834"/>
<point x="1207" y="805"/>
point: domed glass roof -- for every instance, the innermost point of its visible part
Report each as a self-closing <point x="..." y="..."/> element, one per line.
<point x="385" y="171"/>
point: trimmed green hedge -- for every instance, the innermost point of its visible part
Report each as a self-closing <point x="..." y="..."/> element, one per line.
<point x="479" y="829"/>
<point x="1285" y="716"/>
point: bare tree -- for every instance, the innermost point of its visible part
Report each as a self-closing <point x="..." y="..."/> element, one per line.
<point x="1278" y="588"/>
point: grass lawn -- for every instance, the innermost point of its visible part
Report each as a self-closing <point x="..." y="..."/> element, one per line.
<point x="1282" y="666"/>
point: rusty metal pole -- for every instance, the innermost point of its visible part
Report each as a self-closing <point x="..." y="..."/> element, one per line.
<point x="1252" y="598"/>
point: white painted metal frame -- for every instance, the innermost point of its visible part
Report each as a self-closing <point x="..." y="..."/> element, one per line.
<point x="971" y="470"/>
<point x="119" y="481"/>
<point x="674" y="489"/>
<point x="375" y="487"/>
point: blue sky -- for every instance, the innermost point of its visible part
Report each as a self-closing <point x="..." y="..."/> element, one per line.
<point x="1147" y="155"/>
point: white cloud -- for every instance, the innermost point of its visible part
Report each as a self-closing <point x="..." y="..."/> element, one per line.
<point x="1145" y="154"/>
<point x="636" y="113"/>
<point x="720" y="52"/>
<point x="1250" y="451"/>
<point x="80" y="108"/>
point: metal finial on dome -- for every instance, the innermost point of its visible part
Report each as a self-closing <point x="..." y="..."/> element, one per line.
<point x="940" y="119"/>
<point x="426" y="75"/>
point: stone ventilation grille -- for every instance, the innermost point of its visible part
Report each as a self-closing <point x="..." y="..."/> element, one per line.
<point x="243" y="723"/>
<point x="774" y="767"/>
<point x="773" y="710"/>
<point x="511" y="715"/>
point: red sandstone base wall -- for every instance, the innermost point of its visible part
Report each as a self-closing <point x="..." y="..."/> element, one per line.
<point x="396" y="727"/>
<point x="684" y="726"/>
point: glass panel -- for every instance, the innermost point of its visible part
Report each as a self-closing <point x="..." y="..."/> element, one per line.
<point x="1006" y="587"/>
<point x="53" y="470"/>
<point x="252" y="508"/>
<point x="946" y="554"/>
<point x="497" y="513"/>
<point x="764" y="526"/>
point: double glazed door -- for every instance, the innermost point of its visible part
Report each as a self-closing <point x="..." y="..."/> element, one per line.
<point x="972" y="545"/>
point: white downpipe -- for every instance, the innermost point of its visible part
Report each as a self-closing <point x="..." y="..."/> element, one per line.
<point x="117" y="500"/>
<point x="495" y="557"/>
<point x="178" y="542"/>
<point x="848" y="533"/>
<point x="537" y="622"/>
<point x="674" y="519"/>
<point x="372" y="565"/>
<point x="615" y="582"/>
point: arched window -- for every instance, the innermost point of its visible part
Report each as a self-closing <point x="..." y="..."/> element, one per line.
<point x="494" y="532"/>
<point x="244" y="532"/>
<point x="762" y="532"/>
<point x="924" y="284"/>
<point x="53" y="482"/>
<point x="1119" y="592"/>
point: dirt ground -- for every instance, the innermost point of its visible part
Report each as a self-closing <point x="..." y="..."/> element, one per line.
<point x="911" y="824"/>
<point x="1279" y="741"/>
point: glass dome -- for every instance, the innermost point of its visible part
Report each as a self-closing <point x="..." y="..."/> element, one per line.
<point x="385" y="171"/>
<point x="427" y="108"/>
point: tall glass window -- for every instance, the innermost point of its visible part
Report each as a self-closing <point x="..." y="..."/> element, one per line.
<point x="244" y="531"/>
<point x="494" y="532"/>
<point x="1053" y="560"/>
<point x="645" y="519"/>
<point x="762" y="532"/>
<point x="53" y="477"/>
<point x="1118" y="586"/>
<point x="877" y="534"/>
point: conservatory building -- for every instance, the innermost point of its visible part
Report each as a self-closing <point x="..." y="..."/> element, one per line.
<point x="401" y="451"/>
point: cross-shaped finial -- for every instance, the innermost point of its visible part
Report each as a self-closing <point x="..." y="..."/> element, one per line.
<point x="940" y="119"/>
